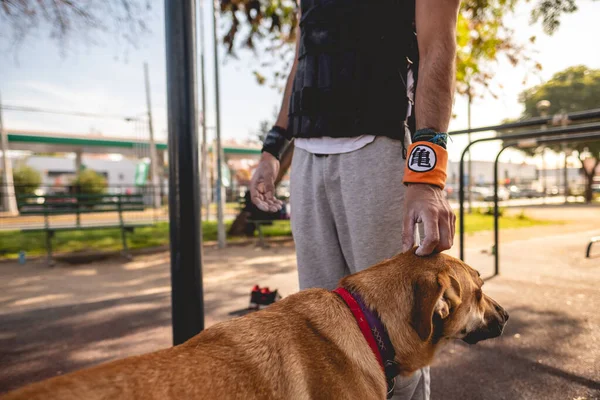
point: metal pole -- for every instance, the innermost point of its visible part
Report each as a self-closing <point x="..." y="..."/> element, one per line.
<point x="204" y="145"/>
<point x="461" y="201"/>
<point x="575" y="116"/>
<point x="219" y="188"/>
<point x="184" y="183"/>
<point x="8" y="185"/>
<point x="497" y="213"/>
<point x="566" y="176"/>
<point x="153" y="158"/>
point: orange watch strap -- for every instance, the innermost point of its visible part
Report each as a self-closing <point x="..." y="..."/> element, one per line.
<point x="426" y="163"/>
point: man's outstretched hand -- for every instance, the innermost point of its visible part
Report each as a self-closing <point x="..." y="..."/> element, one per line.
<point x="427" y="204"/>
<point x="262" y="185"/>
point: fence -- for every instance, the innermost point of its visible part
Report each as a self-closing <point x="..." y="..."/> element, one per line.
<point x="69" y="196"/>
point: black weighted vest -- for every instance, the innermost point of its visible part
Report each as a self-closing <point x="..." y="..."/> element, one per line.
<point x="352" y="68"/>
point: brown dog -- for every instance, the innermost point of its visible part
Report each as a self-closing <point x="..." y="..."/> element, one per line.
<point x="307" y="345"/>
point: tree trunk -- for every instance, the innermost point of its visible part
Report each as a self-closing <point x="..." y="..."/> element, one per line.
<point x="237" y="227"/>
<point x="589" y="181"/>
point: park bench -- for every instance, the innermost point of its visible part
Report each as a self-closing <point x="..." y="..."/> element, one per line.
<point x="589" y="247"/>
<point x="258" y="219"/>
<point x="78" y="204"/>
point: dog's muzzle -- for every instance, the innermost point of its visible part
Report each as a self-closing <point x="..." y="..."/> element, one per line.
<point x="493" y="328"/>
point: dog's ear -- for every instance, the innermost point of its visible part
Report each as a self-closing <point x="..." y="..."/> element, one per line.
<point x="434" y="295"/>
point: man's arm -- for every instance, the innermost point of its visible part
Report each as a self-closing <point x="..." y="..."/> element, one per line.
<point x="436" y="35"/>
<point x="282" y="118"/>
<point x="425" y="203"/>
<point x="262" y="185"/>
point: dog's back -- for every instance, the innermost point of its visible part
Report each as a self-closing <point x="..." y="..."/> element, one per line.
<point x="289" y="350"/>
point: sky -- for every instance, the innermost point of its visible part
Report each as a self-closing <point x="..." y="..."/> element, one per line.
<point x="102" y="79"/>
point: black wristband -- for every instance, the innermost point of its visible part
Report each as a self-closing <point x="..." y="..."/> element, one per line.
<point x="275" y="141"/>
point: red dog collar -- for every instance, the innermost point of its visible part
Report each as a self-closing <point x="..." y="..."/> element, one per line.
<point x="363" y="324"/>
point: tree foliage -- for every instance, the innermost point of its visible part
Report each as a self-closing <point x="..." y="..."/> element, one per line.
<point x="26" y="180"/>
<point x="70" y="21"/>
<point x="482" y="35"/>
<point x="90" y="182"/>
<point x="573" y="89"/>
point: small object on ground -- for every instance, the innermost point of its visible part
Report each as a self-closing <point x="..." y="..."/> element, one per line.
<point x="262" y="297"/>
<point x="22" y="258"/>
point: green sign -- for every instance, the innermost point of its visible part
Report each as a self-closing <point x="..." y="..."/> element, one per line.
<point x="226" y="175"/>
<point x="141" y="173"/>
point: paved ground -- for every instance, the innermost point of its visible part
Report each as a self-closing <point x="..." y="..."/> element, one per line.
<point x="58" y="320"/>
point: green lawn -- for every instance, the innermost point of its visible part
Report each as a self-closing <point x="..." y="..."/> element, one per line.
<point x="33" y="243"/>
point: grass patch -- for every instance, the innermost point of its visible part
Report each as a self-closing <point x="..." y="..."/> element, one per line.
<point x="477" y="222"/>
<point x="34" y="243"/>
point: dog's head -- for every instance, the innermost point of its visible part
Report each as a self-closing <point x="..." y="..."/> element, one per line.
<point x="449" y="303"/>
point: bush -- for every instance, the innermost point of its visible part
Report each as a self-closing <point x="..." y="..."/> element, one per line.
<point x="26" y="180"/>
<point x="90" y="182"/>
<point x="522" y="215"/>
<point x="489" y="211"/>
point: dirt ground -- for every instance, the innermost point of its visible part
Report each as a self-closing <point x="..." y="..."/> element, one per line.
<point x="58" y="320"/>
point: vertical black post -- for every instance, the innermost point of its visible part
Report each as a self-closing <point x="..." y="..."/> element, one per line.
<point x="496" y="213"/>
<point x="122" y="223"/>
<point x="461" y="201"/>
<point x="184" y="179"/>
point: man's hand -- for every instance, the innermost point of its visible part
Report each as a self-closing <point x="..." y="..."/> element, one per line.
<point x="427" y="204"/>
<point x="262" y="185"/>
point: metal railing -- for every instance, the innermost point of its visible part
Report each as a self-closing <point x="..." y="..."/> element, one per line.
<point x="535" y="137"/>
<point x="66" y="195"/>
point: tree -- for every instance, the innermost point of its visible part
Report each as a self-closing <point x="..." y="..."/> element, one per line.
<point x="67" y="21"/>
<point x="574" y="89"/>
<point x="89" y="182"/>
<point x="482" y="35"/>
<point x="26" y="179"/>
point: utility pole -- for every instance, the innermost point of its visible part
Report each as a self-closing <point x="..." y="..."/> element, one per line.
<point x="153" y="158"/>
<point x="8" y="185"/>
<point x="219" y="150"/>
<point x="185" y="202"/>
<point x="204" y="144"/>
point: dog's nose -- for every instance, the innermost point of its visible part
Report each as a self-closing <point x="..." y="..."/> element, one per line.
<point x="502" y="312"/>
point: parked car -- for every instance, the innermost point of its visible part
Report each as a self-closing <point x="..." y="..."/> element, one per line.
<point x="503" y="194"/>
<point x="531" y="193"/>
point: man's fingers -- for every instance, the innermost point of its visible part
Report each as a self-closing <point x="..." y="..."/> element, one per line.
<point x="273" y="203"/>
<point x="408" y="232"/>
<point x="445" y="234"/>
<point x="452" y="224"/>
<point x="432" y="235"/>
<point x="257" y="195"/>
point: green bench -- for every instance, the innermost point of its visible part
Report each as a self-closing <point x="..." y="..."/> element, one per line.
<point x="78" y="204"/>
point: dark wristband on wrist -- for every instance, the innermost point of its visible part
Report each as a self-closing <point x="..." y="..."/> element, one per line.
<point x="275" y="141"/>
<point x="430" y="135"/>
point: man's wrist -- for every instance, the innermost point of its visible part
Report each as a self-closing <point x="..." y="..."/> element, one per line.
<point x="432" y="136"/>
<point x="275" y="141"/>
<point x="426" y="164"/>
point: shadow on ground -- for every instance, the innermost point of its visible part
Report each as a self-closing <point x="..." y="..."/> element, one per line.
<point x="54" y="321"/>
<point x="533" y="360"/>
